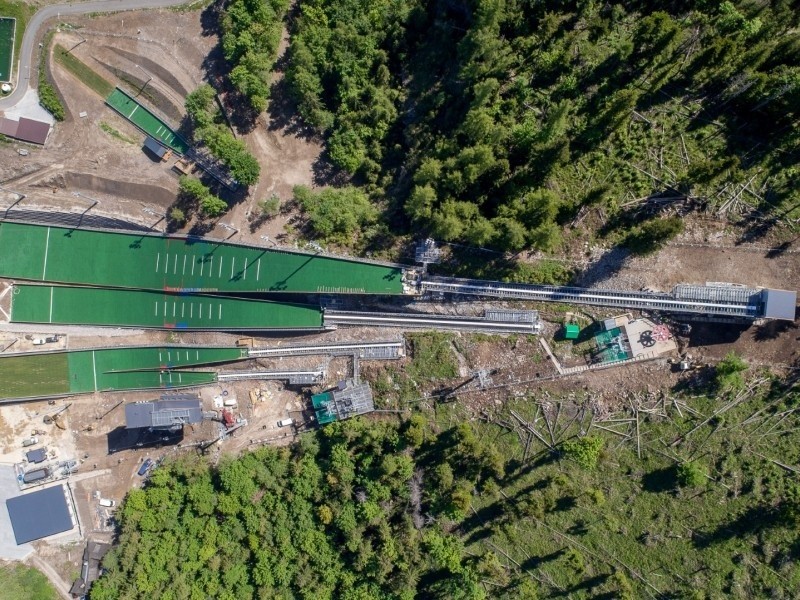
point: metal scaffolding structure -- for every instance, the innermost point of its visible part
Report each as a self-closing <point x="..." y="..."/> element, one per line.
<point x="709" y="300"/>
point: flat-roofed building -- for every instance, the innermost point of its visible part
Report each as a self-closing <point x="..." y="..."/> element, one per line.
<point x="169" y="413"/>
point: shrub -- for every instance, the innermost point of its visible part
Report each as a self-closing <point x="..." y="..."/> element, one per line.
<point x="49" y="100"/>
<point x="651" y="236"/>
<point x="270" y="207"/>
<point x="177" y="216"/>
<point x="585" y="451"/>
<point x="729" y="372"/>
<point x="691" y="474"/>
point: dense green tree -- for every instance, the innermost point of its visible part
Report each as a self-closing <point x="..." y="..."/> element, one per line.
<point x="195" y="191"/>
<point x="495" y="103"/>
<point x="336" y="214"/>
<point x="251" y="33"/>
<point x="211" y="129"/>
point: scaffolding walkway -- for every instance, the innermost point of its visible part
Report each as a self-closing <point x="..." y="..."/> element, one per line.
<point x="408" y="320"/>
<point x="209" y="165"/>
<point x="365" y="351"/>
<point x="292" y="377"/>
<point x="721" y="301"/>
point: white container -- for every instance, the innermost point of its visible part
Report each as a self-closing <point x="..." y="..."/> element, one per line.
<point x="285" y="422"/>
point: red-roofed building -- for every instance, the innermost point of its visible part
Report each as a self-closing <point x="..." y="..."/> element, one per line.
<point x="27" y="130"/>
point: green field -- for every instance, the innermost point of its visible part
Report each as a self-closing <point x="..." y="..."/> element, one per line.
<point x="82" y="71"/>
<point x="7" y="31"/>
<point x="81" y="371"/>
<point x="145" y="120"/>
<point x="54" y="254"/>
<point x="159" y="310"/>
<point x="30" y="376"/>
<point x="19" y="581"/>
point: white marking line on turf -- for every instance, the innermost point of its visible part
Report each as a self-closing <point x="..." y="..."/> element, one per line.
<point x="258" y="269"/>
<point x="158" y="260"/>
<point x="209" y="310"/>
<point x="133" y="111"/>
<point x="233" y="261"/>
<point x="184" y="265"/>
<point x="202" y="264"/>
<point x="165" y="308"/>
<point x="51" y="305"/>
<point x="201" y="310"/>
<point x="175" y="265"/>
<point x="166" y="264"/>
<point x="211" y="267"/>
<point x="220" y="267"/>
<point x="156" y="313"/>
<point x="46" y="248"/>
<point x="245" y="268"/>
<point x="94" y="371"/>
<point x="191" y="311"/>
<point x="194" y="260"/>
<point x="220" y="311"/>
<point x="183" y="305"/>
<point x="174" y="308"/>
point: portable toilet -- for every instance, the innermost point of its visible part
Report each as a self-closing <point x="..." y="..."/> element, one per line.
<point x="571" y="331"/>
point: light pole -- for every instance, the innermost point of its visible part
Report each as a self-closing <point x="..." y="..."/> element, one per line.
<point x="149" y="78"/>
<point x="83" y="39"/>
<point x="150" y="211"/>
<point x="229" y="228"/>
<point x="20" y="198"/>
<point x="93" y="204"/>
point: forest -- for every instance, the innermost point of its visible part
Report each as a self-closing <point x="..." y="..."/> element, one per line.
<point x="542" y="496"/>
<point x="496" y="122"/>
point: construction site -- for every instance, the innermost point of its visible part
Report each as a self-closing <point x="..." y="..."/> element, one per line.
<point x="122" y="346"/>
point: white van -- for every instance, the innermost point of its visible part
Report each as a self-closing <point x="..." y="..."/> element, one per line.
<point x="107" y="502"/>
<point x="285" y="422"/>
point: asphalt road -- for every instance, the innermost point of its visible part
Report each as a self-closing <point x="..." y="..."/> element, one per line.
<point x="28" y="56"/>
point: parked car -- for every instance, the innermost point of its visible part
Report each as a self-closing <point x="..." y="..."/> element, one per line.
<point x="38" y="341"/>
<point x="285" y="422"/>
<point x="148" y="462"/>
<point x="108" y="503"/>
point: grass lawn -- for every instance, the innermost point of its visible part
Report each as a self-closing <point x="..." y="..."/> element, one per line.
<point x="19" y="581"/>
<point x="116" y="133"/>
<point x="33" y="375"/>
<point x="433" y="357"/>
<point x="82" y="71"/>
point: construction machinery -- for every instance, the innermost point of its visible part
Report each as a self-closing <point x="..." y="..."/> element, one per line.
<point x="55" y="418"/>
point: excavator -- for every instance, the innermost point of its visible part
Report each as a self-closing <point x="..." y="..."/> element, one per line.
<point x="55" y="418"/>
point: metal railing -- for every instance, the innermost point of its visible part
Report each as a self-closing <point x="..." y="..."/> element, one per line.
<point x="337" y="318"/>
<point x="366" y="351"/>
